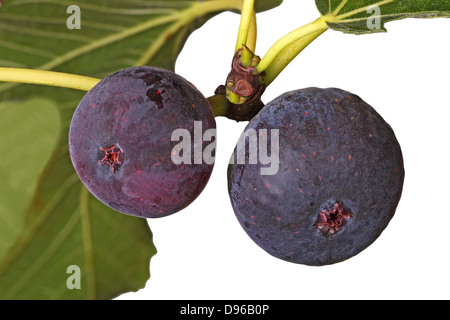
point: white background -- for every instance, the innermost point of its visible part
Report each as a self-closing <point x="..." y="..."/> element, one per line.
<point x="203" y="253"/>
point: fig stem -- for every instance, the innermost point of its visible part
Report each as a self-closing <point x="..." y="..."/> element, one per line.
<point x="244" y="27"/>
<point x="252" y="33"/>
<point x="219" y="104"/>
<point x="289" y="41"/>
<point x="49" y="78"/>
<point x="285" y="57"/>
<point x="247" y="32"/>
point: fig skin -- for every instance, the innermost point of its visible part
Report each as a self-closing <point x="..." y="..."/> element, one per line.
<point x="339" y="181"/>
<point x="120" y="141"/>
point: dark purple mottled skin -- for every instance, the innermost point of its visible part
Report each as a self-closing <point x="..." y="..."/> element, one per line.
<point x="339" y="182"/>
<point x="136" y="110"/>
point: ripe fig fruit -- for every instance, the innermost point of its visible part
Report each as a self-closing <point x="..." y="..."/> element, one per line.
<point x="121" y="144"/>
<point x="338" y="181"/>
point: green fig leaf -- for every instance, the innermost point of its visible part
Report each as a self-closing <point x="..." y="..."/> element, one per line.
<point x="370" y="16"/>
<point x="28" y="134"/>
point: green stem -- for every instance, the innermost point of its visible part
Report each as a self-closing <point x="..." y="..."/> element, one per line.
<point x="49" y="78"/>
<point x="234" y="98"/>
<point x="252" y="33"/>
<point x="218" y="104"/>
<point x="248" y="50"/>
<point x="246" y="18"/>
<point x="287" y="55"/>
<point x="244" y="31"/>
<point x="308" y="30"/>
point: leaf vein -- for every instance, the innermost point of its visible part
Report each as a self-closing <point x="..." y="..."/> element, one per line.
<point x="359" y="10"/>
<point x="340" y="7"/>
<point x="104" y="10"/>
<point x="26" y="49"/>
<point x="44" y="34"/>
